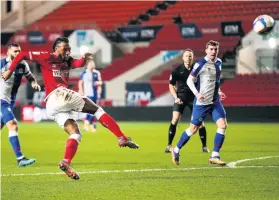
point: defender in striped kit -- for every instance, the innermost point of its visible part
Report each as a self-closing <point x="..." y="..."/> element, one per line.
<point x="208" y="96"/>
<point x="8" y="92"/>
<point x="90" y="85"/>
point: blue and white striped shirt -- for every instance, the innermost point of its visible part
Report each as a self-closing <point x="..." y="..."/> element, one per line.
<point x="89" y="78"/>
<point x="207" y="75"/>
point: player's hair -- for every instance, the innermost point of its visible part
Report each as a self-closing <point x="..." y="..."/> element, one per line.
<point x="212" y="43"/>
<point x="13" y="45"/>
<point x="58" y="41"/>
<point x="190" y="50"/>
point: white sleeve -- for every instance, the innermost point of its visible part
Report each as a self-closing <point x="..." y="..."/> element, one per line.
<point x="191" y="83"/>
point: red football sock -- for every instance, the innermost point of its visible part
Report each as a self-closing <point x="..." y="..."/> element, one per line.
<point x="70" y="150"/>
<point x="108" y="122"/>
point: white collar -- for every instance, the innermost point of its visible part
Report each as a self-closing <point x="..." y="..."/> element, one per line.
<point x="8" y="59"/>
<point x="87" y="70"/>
<point x="207" y="59"/>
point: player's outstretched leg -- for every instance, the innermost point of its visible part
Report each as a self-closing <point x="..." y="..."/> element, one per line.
<point x="218" y="142"/>
<point x="107" y="121"/>
<point x="71" y="127"/>
<point x="22" y="161"/>
<point x="202" y="134"/>
<point x="185" y="137"/>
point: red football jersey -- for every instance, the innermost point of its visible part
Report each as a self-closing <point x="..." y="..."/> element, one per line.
<point x="55" y="70"/>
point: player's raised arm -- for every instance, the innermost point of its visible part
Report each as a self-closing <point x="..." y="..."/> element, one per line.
<point x="30" y="55"/>
<point x="78" y="63"/>
<point x="20" y="57"/>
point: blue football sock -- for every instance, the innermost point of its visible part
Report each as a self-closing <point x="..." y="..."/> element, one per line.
<point x="14" y="141"/>
<point x="218" y="142"/>
<point x="185" y="137"/>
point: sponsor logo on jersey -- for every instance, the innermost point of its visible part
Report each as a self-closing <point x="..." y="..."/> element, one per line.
<point x="58" y="73"/>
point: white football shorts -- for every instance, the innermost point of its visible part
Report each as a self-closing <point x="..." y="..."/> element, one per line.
<point x="63" y="104"/>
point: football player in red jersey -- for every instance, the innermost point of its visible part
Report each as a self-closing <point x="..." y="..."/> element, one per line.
<point x="63" y="104"/>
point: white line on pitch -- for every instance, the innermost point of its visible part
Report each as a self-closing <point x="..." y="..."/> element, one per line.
<point x="136" y="170"/>
<point x="233" y="164"/>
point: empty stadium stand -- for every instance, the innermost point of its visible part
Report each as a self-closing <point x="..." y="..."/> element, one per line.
<point x="104" y="14"/>
<point x="165" y="42"/>
<point x="253" y="89"/>
<point x="215" y="10"/>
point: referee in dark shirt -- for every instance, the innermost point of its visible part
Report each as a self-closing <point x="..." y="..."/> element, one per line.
<point x="183" y="97"/>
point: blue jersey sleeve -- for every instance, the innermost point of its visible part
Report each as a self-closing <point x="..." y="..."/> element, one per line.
<point x="81" y="76"/>
<point x="197" y="67"/>
<point x="3" y="64"/>
<point x="99" y="76"/>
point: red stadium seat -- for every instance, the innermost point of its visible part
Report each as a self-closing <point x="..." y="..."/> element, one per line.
<point x="223" y="10"/>
<point x="254" y="89"/>
<point x="105" y="14"/>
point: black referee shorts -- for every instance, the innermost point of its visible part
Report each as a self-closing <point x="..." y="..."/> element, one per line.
<point x="180" y="107"/>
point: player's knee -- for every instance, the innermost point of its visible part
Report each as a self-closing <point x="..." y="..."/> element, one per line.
<point x="223" y="125"/>
<point x="194" y="128"/>
<point x="202" y="125"/>
<point x="12" y="125"/>
<point x="222" y="128"/>
<point x="174" y="120"/>
<point x="175" y="117"/>
<point x="90" y="107"/>
<point x="71" y="126"/>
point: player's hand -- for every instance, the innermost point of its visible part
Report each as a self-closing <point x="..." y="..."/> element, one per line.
<point x="222" y="96"/>
<point x="35" y="86"/>
<point x="6" y="75"/>
<point x="200" y="97"/>
<point x="178" y="101"/>
<point x="98" y="83"/>
<point x="88" y="56"/>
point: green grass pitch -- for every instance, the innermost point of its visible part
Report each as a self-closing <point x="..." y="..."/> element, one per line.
<point x="110" y="172"/>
